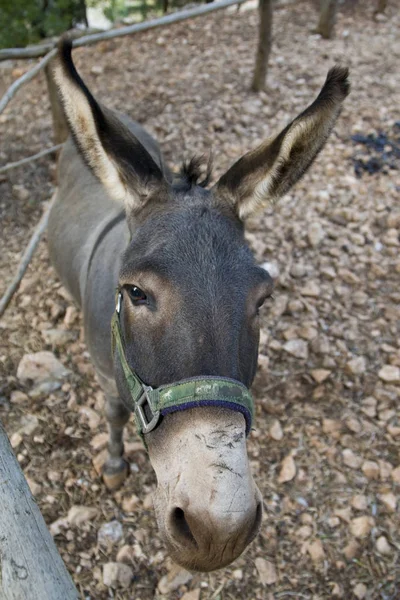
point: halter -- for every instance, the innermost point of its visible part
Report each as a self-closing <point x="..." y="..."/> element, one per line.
<point x="149" y="404"/>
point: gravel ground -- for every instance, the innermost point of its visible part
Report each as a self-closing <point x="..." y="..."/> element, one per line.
<point x="325" y="451"/>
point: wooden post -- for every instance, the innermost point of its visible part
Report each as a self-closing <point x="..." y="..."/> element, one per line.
<point x="30" y="565"/>
<point x="264" y="45"/>
<point x="327" y="18"/>
<point x="60" y="126"/>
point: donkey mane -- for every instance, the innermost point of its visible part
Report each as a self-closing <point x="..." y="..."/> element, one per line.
<point x="194" y="172"/>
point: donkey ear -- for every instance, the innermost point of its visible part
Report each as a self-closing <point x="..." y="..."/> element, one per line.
<point x="268" y="172"/>
<point x="110" y="149"/>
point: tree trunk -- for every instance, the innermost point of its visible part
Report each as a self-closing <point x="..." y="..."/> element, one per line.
<point x="327" y="18"/>
<point x="60" y="126"/>
<point x="264" y="45"/>
<point x="30" y="565"/>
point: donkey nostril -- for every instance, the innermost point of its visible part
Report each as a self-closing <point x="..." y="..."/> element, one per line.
<point x="180" y="527"/>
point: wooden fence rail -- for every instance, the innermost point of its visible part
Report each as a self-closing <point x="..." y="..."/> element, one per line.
<point x="108" y="35"/>
<point x="182" y="15"/>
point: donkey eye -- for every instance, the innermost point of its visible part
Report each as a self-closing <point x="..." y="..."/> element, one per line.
<point x="136" y="295"/>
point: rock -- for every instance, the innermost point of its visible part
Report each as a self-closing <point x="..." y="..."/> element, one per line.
<point x="311" y="289"/>
<point x="20" y="192"/>
<point x="359" y="502"/>
<point x="383" y="546"/>
<point x="78" y="514"/>
<point x="315" y="234"/>
<point x="237" y="574"/>
<point x="130" y="503"/>
<point x="369" y="406"/>
<point x="316" y="551"/>
<point x="117" y="575"/>
<point x="389" y="501"/>
<point x="70" y="316"/>
<point x="18" y="397"/>
<point x="58" y="337"/>
<point x="297" y="348"/>
<point x="370" y="469"/>
<point x="356" y="366"/>
<point x="35" y="487"/>
<point x="304" y="532"/>
<point x="29" y="424"/>
<point x="99" y="460"/>
<point x="126" y="554"/>
<point x="307" y="332"/>
<point x="344" y="514"/>
<point x="99" y="441"/>
<point x="275" y="431"/>
<point x="321" y="345"/>
<point x="331" y="425"/>
<point x="351" y="460"/>
<point x="91" y="416"/>
<point x="97" y="69"/>
<point x="390" y="374"/>
<point x="288" y="470"/>
<point x="351" y="550"/>
<point x="15" y="440"/>
<point x="361" y="526"/>
<point x="110" y="533"/>
<point x="360" y="591"/>
<point x="298" y="270"/>
<point x="266" y="571"/>
<point x="396" y="475"/>
<point x="174" y="579"/>
<point x="353" y="424"/>
<point x="320" y="375"/>
<point x="58" y="526"/>
<point x="40" y="367"/>
<point x="194" y="594"/>
<point x="44" y="389"/>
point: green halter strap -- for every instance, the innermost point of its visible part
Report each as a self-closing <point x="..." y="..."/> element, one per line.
<point x="149" y="404"/>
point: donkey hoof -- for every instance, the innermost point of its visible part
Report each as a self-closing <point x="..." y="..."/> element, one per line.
<point x="115" y="473"/>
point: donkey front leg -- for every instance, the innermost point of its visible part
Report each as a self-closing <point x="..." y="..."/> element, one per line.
<point x="115" y="469"/>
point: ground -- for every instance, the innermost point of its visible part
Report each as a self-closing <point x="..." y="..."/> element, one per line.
<point x="325" y="450"/>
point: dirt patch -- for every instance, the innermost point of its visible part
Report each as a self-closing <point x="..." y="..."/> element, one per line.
<point x="325" y="452"/>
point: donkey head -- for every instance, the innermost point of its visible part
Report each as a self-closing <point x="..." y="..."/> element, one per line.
<point x="190" y="296"/>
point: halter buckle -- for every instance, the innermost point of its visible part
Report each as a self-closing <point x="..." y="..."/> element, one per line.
<point x="145" y="424"/>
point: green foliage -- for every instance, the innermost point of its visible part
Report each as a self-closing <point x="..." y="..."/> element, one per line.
<point x="24" y="22"/>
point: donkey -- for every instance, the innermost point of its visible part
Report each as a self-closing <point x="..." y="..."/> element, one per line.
<point x="185" y="325"/>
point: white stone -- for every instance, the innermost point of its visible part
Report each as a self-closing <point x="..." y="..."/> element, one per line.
<point x="315" y="234"/>
<point x="297" y="348"/>
<point x="356" y="366"/>
<point x="350" y="459"/>
<point x="288" y="470"/>
<point x="361" y="526"/>
<point x="266" y="571"/>
<point x="275" y="431"/>
<point x="117" y="575"/>
<point x="78" y="514"/>
<point x="110" y="533"/>
<point x="383" y="546"/>
<point x="390" y="374"/>
<point x="40" y="367"/>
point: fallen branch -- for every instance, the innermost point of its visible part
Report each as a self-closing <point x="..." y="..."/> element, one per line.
<point x="26" y="258"/>
<point x="28" y="159"/>
<point x="13" y="89"/>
